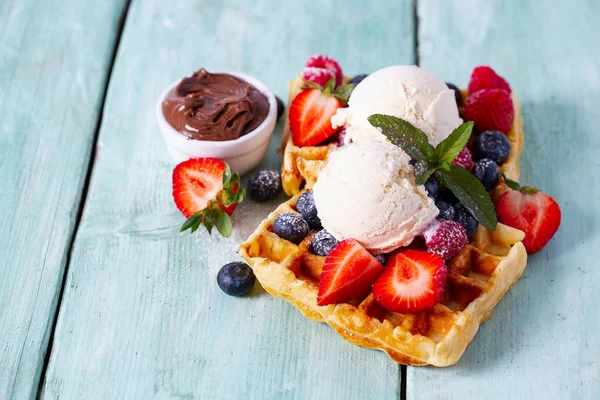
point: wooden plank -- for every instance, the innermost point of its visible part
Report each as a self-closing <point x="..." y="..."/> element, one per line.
<point x="142" y="315"/>
<point x="54" y="59"/>
<point x="542" y="340"/>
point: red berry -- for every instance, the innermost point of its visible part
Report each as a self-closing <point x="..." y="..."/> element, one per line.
<point x="328" y="63"/>
<point x="320" y="76"/>
<point x="348" y="273"/>
<point x="445" y="238"/>
<point x="464" y="159"/>
<point x="412" y="281"/>
<point x="484" y="77"/>
<point x="533" y="212"/>
<point x="490" y="109"/>
<point x="310" y="117"/>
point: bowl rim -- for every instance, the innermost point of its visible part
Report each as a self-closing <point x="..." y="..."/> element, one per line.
<point x="185" y="141"/>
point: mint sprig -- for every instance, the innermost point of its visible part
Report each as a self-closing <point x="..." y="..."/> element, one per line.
<point x="438" y="161"/>
<point x="213" y="215"/>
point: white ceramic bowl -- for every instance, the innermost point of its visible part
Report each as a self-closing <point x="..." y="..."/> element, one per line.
<point x="242" y="154"/>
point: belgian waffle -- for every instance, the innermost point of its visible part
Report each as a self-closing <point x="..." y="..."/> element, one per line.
<point x="477" y="278"/>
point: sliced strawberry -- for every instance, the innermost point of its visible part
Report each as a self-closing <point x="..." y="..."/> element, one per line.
<point x="412" y="281"/>
<point x="201" y="196"/>
<point x="348" y="274"/>
<point x="310" y="117"/>
<point x="531" y="211"/>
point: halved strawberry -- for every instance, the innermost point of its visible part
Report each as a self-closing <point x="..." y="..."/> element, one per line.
<point x="412" y="281"/>
<point x="348" y="274"/>
<point x="310" y="116"/>
<point x="206" y="191"/>
<point x="531" y="211"/>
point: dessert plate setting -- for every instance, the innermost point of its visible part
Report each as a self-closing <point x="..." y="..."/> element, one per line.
<point x="406" y="223"/>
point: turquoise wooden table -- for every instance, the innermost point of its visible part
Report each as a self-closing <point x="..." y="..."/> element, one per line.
<point x="101" y="298"/>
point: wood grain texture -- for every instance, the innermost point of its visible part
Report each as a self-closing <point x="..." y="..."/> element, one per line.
<point x="542" y="340"/>
<point x="142" y="316"/>
<point x="54" y="59"/>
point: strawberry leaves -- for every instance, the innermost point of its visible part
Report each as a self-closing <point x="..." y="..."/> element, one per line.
<point x="214" y="214"/>
<point x="342" y="93"/>
<point x="438" y="162"/>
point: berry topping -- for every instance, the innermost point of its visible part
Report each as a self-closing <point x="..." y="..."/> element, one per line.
<point x="348" y="273"/>
<point x="236" y="278"/>
<point x="447" y="211"/>
<point x="457" y="94"/>
<point x="306" y="206"/>
<point x="310" y="117"/>
<point x="280" y="107"/>
<point x="466" y="219"/>
<point x="328" y="64"/>
<point x="486" y="78"/>
<point x="432" y="187"/>
<point x="382" y="258"/>
<point x="323" y="242"/>
<point x="490" y="109"/>
<point x="264" y="185"/>
<point x="464" y="159"/>
<point x="206" y="192"/>
<point x="445" y="238"/>
<point x="493" y="145"/>
<point x="412" y="281"/>
<point x="320" y="76"/>
<point x="357" y="79"/>
<point x="291" y="226"/>
<point x="531" y="211"/>
<point x="338" y="138"/>
<point x="487" y="172"/>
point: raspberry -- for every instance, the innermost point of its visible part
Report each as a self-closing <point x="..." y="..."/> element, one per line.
<point x="464" y="159"/>
<point x="320" y="76"/>
<point x="328" y="63"/>
<point x="490" y="109"/>
<point x="486" y="78"/>
<point x="445" y="238"/>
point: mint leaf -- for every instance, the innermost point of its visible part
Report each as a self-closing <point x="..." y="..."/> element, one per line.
<point x="422" y="171"/>
<point x="471" y="193"/>
<point x="449" y="148"/>
<point x="401" y="133"/>
<point x="192" y="222"/>
<point x="224" y="224"/>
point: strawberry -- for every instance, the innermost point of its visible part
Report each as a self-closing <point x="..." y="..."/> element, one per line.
<point x="490" y="109"/>
<point x="310" y="116"/>
<point x="531" y="211"/>
<point x="412" y="281"/>
<point x="348" y="274"/>
<point x="205" y="191"/>
<point x="484" y="77"/>
<point x="328" y="64"/>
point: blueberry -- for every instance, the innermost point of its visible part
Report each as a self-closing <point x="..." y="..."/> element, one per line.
<point x="432" y="187"/>
<point x="493" y="145"/>
<point x="487" y="172"/>
<point x="236" y="278"/>
<point x="457" y="94"/>
<point x="306" y="206"/>
<point x="447" y="195"/>
<point x="466" y="219"/>
<point x="447" y="211"/>
<point x="291" y="226"/>
<point x="323" y="242"/>
<point x="357" y="79"/>
<point x="280" y="107"/>
<point x="382" y="258"/>
<point x="264" y="185"/>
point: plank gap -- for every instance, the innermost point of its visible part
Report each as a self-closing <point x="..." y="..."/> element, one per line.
<point x="92" y="158"/>
<point x="416" y="31"/>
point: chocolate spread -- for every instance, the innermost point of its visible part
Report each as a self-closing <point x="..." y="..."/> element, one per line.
<point x="216" y="107"/>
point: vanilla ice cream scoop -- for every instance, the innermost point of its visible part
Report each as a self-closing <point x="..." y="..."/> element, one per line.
<point x="404" y="91"/>
<point x="367" y="192"/>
